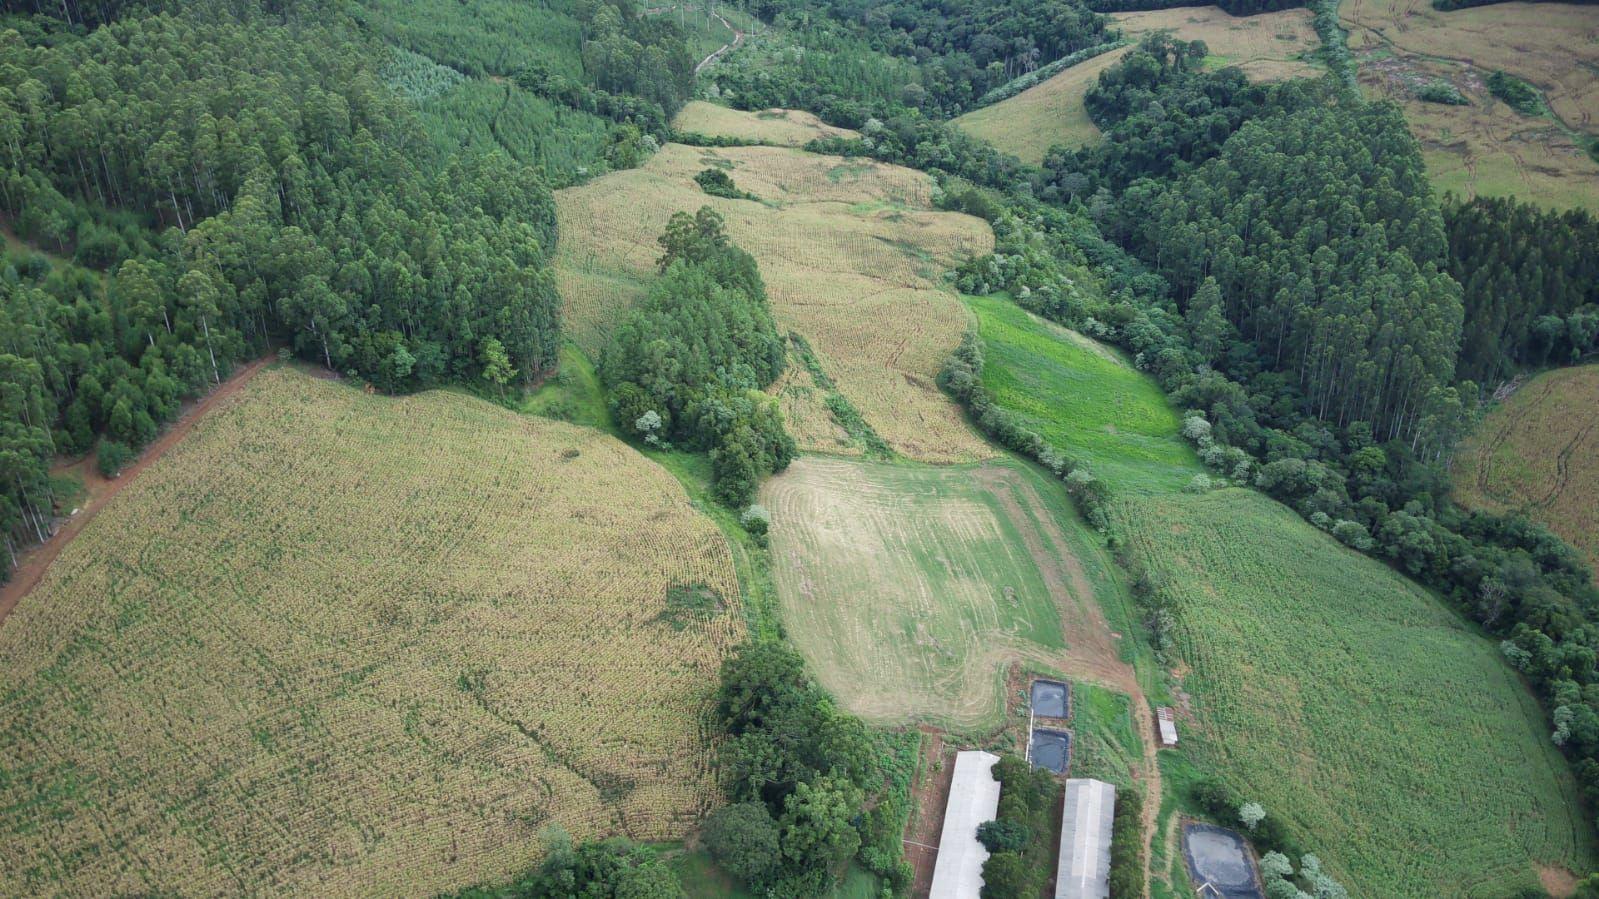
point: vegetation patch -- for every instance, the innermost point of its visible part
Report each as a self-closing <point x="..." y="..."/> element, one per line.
<point x="1538" y="453"/>
<point x="691" y="604"/>
<point x="908" y="588"/>
<point x="777" y="127"/>
<point x="400" y="637"/>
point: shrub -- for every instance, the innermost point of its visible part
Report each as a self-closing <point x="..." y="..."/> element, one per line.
<point x="718" y="183"/>
<point x="1515" y="92"/>
<point x="1003" y="836"/>
<point x="1440" y="91"/>
<point x="112" y="456"/>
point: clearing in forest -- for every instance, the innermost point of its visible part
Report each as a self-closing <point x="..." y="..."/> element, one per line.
<point x="1486" y="147"/>
<point x="852" y="254"/>
<point x="335" y="643"/>
<point x="1538" y="453"/>
<point x="1267" y="47"/>
<point x="909" y="588"/>
<point x="1315" y="680"/>
<point x="778" y="127"/>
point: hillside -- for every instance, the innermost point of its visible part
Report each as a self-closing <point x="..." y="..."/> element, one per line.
<point x="341" y="643"/>
<point x="843" y="246"/>
<point x="1267" y="47"/>
<point x="1538" y="453"/>
<point x="1485" y="146"/>
<point x="1285" y="638"/>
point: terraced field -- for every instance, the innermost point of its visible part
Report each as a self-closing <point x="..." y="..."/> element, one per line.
<point x="1486" y="147"/>
<point x="1319" y="682"/>
<point x="341" y="644"/>
<point x="909" y="588"/>
<point x="844" y="246"/>
<point x="1538" y="453"/>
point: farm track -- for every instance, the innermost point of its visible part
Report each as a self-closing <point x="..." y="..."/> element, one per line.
<point x="37" y="560"/>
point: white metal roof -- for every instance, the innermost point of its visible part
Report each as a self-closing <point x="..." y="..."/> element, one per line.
<point x="973" y="799"/>
<point x="1085" y="826"/>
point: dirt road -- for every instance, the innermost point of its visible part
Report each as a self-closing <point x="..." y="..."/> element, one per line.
<point x="34" y="562"/>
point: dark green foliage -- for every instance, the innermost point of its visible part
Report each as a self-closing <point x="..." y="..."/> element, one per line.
<point x="1127" y="846"/>
<point x="602" y="869"/>
<point x="718" y="183"/>
<point x="1517" y="93"/>
<point x="1039" y="76"/>
<point x="1447" y="5"/>
<point x="110" y="457"/>
<point x="793" y="756"/>
<point x="1530" y="281"/>
<point x="862" y="59"/>
<point x="688" y="365"/>
<point x="1222" y="803"/>
<point x="1441" y="91"/>
<point x="1026" y="806"/>
<point x="1231" y="7"/>
<point x="1003" y="836"/>
<point x="743" y="838"/>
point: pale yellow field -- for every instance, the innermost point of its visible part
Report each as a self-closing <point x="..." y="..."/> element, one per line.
<point x="1488" y="147"/>
<point x="779" y="127"/>
<point x="1538" y="453"/>
<point x="1266" y="47"/>
<point x="337" y="644"/>
<point x="852" y="254"/>
<point x="1043" y="116"/>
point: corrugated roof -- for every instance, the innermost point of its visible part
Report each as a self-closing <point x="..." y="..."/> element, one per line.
<point x="973" y="799"/>
<point x="1085" y="825"/>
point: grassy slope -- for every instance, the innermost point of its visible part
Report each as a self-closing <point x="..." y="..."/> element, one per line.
<point x="1335" y="692"/>
<point x="1538" y="452"/>
<point x="1042" y="116"/>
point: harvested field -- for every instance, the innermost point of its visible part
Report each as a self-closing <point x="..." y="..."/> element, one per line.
<point x="908" y="588"/>
<point x="1043" y="116"/>
<point x="341" y="644"/>
<point x="1487" y="147"/>
<point x="1267" y="47"/>
<point x="778" y="127"/>
<point x="843" y="245"/>
<point x="1538" y="453"/>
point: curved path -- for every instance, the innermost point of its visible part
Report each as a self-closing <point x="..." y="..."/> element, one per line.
<point x="30" y="570"/>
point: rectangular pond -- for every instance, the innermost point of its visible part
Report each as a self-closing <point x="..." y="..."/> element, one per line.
<point x="1220" y="857"/>
<point x="1052" y="699"/>
<point x="1050" y="749"/>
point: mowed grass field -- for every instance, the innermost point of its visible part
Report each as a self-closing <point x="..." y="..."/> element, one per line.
<point x="909" y="587"/>
<point x="852" y="254"/>
<point x="1538" y="453"/>
<point x="1317" y="681"/>
<point x="341" y="644"/>
<point x="1267" y="47"/>
<point x="1079" y="393"/>
<point x="778" y="127"/>
<point x="1487" y="147"/>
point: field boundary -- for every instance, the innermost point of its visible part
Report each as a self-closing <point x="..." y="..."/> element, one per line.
<point x="36" y="561"/>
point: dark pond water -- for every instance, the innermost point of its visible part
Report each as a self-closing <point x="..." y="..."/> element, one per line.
<point x="1052" y="699"/>
<point x="1051" y="749"/>
<point x="1220" y="857"/>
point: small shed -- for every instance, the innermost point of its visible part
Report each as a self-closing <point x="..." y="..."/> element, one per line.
<point x="1167" y="725"/>
<point x="1085" y="828"/>
<point x="973" y="799"/>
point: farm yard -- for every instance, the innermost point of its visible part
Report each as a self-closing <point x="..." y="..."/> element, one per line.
<point x="778" y="127"/>
<point x="1538" y="453"/>
<point x="1267" y="47"/>
<point x="1284" y="639"/>
<point x="337" y="643"/>
<point x="1486" y="147"/>
<point x="909" y="588"/>
<point x="843" y="246"/>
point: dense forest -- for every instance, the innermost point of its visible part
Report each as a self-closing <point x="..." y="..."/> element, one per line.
<point x="1233" y="7"/>
<point x="172" y="219"/>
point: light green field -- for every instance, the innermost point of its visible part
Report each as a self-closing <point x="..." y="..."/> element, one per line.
<point x="1320" y="683"/>
<point x="1044" y="115"/>
<point x="1081" y="394"/>
<point x="909" y="588"/>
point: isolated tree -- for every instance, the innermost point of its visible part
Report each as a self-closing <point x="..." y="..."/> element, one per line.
<point x="497" y="368"/>
<point x="1251" y="814"/>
